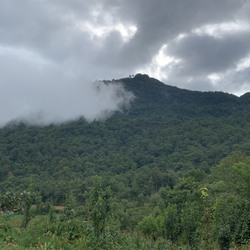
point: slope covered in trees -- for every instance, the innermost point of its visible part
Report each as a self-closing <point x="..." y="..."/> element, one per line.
<point x="175" y="165"/>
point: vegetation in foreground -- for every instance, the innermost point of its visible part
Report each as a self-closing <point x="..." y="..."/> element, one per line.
<point x="197" y="213"/>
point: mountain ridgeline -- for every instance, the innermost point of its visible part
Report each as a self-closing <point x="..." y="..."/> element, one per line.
<point x="176" y="162"/>
<point x="155" y="96"/>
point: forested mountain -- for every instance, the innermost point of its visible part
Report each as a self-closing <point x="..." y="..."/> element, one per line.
<point x="171" y="158"/>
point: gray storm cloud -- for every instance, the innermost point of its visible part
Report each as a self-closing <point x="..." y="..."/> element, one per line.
<point x="51" y="52"/>
<point x="206" y="55"/>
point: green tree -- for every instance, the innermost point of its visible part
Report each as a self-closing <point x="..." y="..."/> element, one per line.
<point x="150" y="227"/>
<point x="171" y="223"/>
<point x="99" y="201"/>
<point x="19" y="202"/>
<point x="27" y="200"/>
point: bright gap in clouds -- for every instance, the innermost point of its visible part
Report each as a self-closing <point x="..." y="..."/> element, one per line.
<point x="161" y="64"/>
<point x="214" y="78"/>
<point x="93" y="27"/>
<point x="244" y="63"/>
<point x="219" y="30"/>
<point x="127" y="32"/>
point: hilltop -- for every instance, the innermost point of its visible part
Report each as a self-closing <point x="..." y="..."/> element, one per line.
<point x="155" y="96"/>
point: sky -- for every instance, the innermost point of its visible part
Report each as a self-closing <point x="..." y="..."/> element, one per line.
<point x="53" y="51"/>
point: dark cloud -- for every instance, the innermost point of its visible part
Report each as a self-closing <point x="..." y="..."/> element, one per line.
<point x="207" y="54"/>
<point x="51" y="51"/>
<point x="160" y="21"/>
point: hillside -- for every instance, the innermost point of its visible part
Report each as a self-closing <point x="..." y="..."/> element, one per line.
<point x="165" y="127"/>
<point x="157" y="153"/>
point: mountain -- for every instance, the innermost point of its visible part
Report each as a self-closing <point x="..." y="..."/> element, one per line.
<point x="245" y="98"/>
<point x="165" y="130"/>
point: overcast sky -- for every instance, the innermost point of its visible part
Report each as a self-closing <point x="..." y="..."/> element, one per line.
<point x="51" y="51"/>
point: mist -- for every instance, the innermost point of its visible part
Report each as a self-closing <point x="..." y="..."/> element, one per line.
<point x="38" y="94"/>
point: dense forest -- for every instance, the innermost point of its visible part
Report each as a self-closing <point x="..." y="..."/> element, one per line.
<point x="170" y="171"/>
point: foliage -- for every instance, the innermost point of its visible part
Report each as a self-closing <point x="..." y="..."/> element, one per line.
<point x="99" y="205"/>
<point x="19" y="202"/>
<point x="169" y="172"/>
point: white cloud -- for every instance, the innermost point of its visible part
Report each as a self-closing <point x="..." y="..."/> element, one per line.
<point x="161" y="65"/>
<point x="219" y="30"/>
<point x="244" y="63"/>
<point x="214" y="78"/>
<point x="101" y="31"/>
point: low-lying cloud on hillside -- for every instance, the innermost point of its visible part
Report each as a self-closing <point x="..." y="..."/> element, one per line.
<point x="38" y="94"/>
